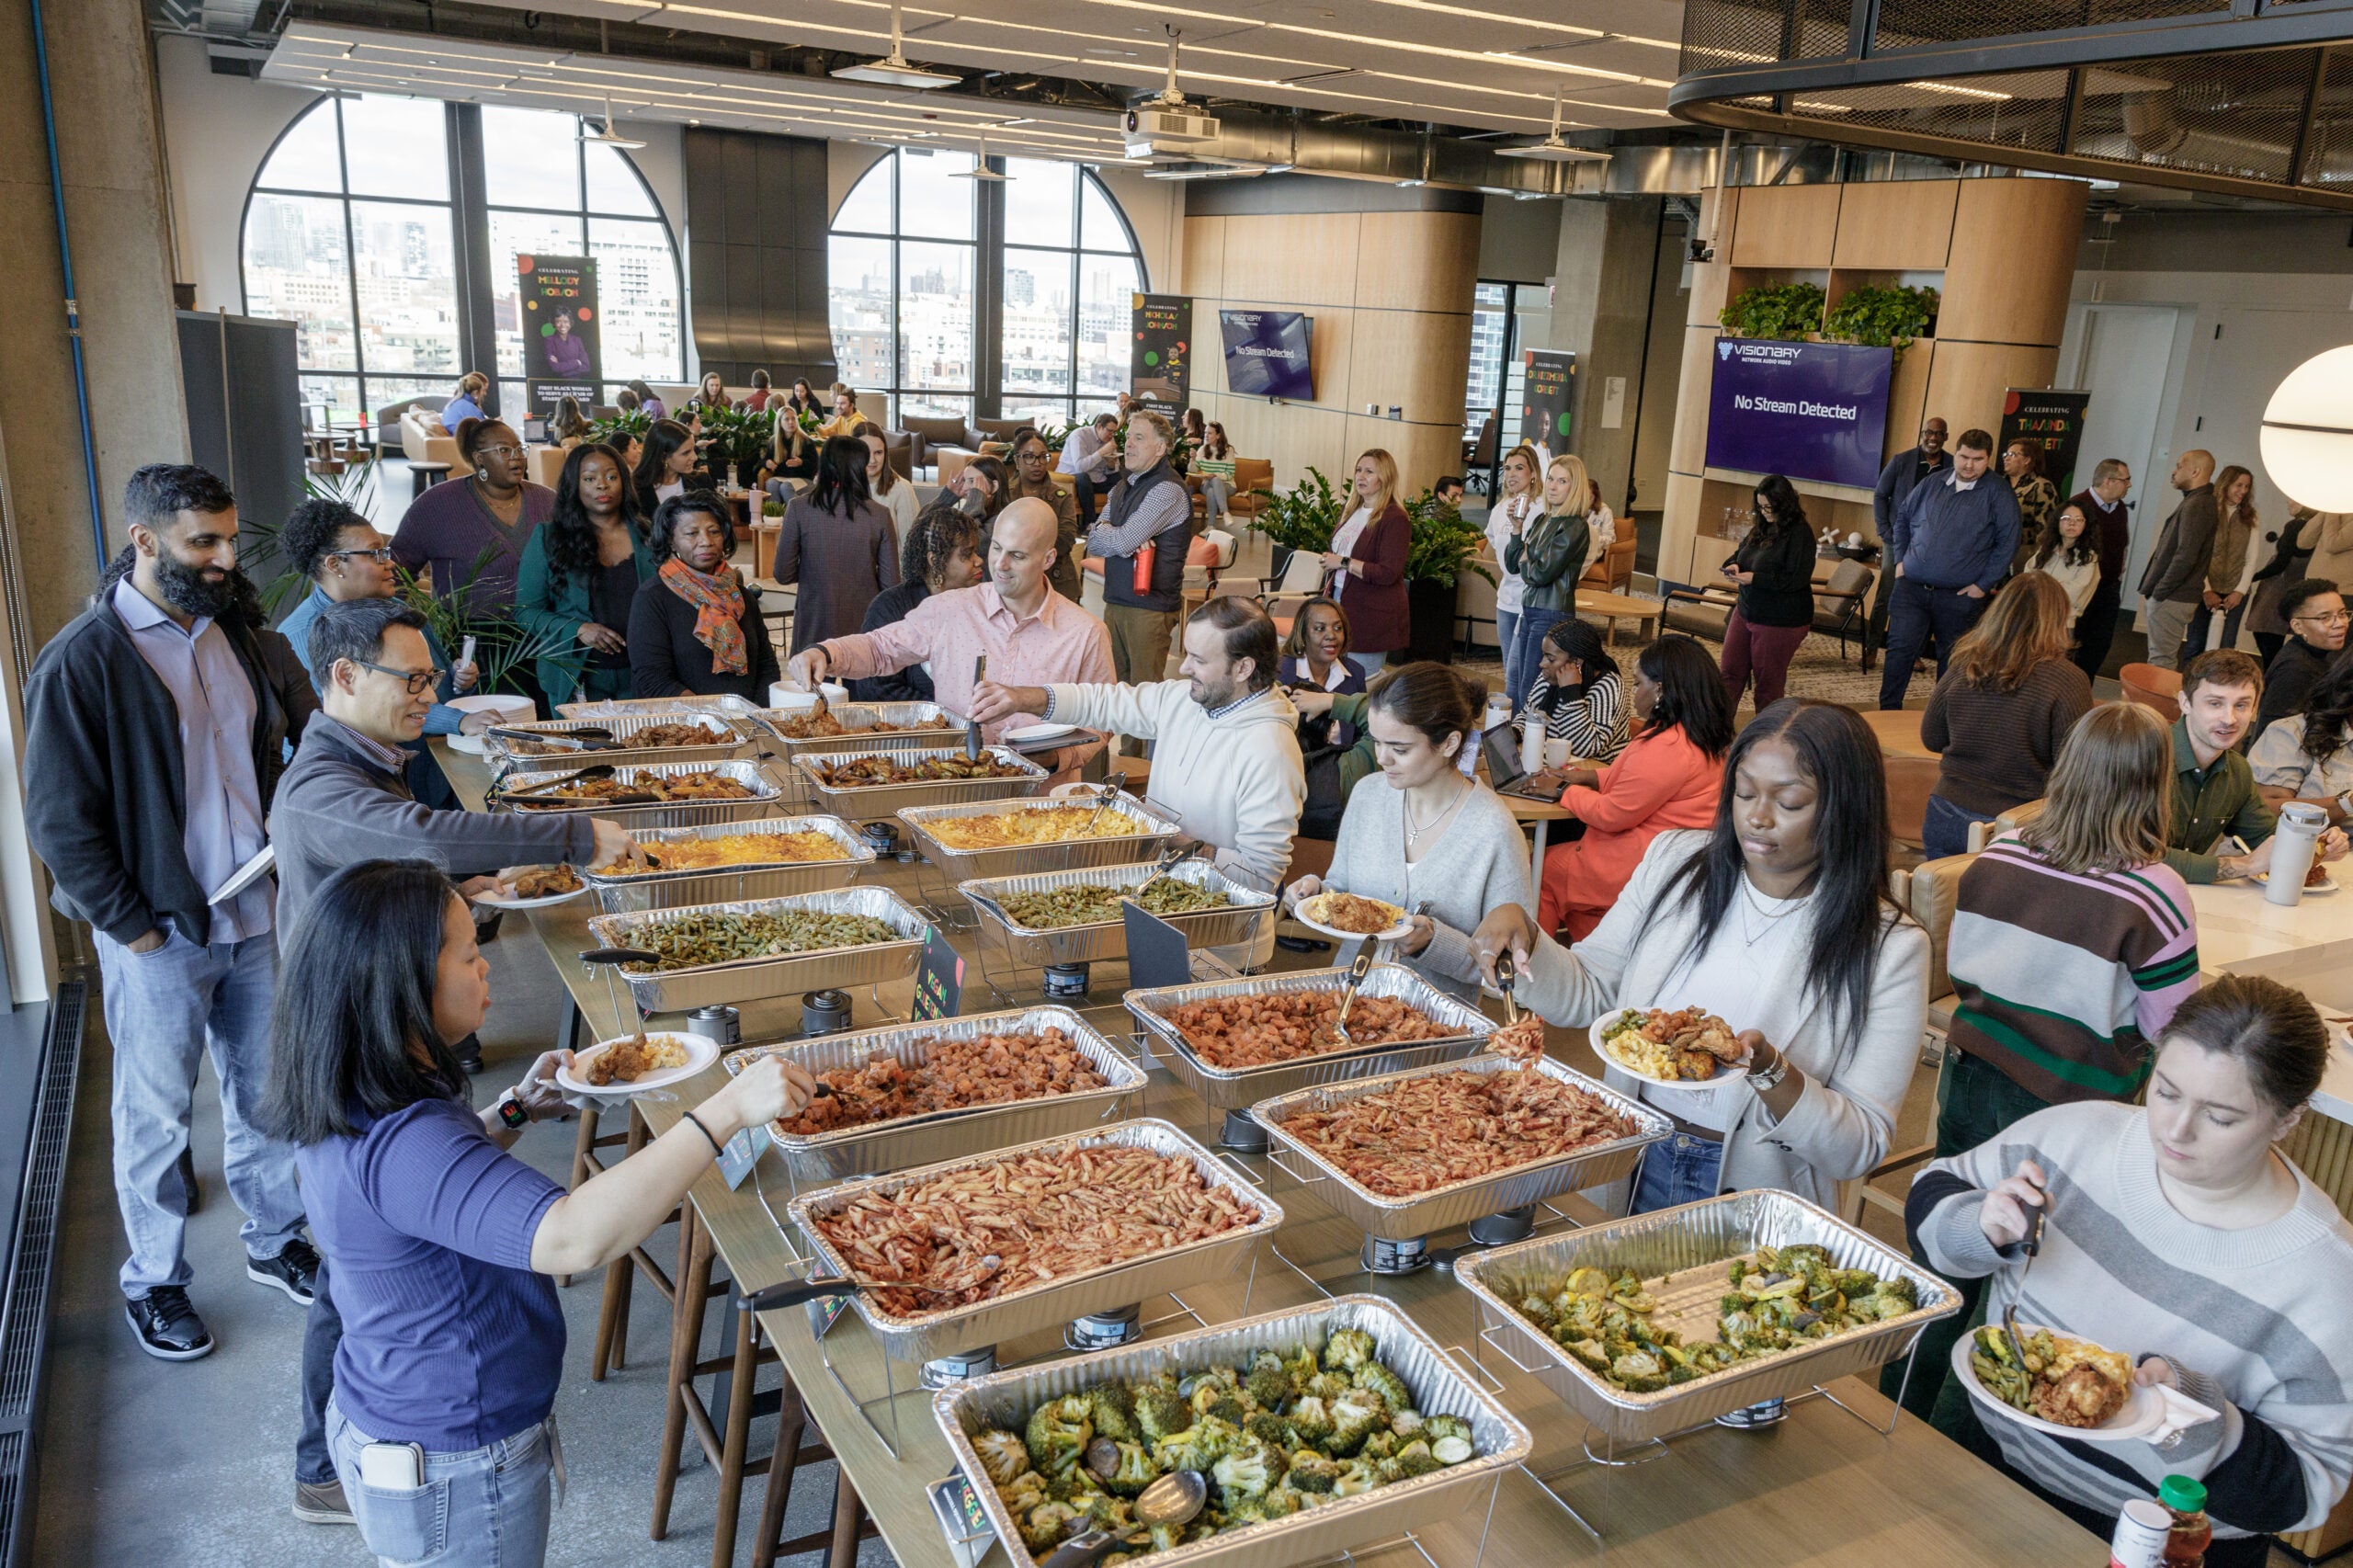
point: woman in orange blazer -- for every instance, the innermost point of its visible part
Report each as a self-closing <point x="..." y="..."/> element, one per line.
<point x="1669" y="777"/>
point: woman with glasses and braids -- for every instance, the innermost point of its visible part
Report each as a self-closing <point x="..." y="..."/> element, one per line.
<point x="468" y="533"/>
<point x="942" y="554"/>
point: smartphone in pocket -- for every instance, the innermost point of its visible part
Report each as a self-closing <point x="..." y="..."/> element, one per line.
<point x="392" y="1467"/>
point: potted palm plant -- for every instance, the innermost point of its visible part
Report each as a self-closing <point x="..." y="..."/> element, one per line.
<point x="1443" y="548"/>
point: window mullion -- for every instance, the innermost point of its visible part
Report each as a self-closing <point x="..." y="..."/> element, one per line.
<point x="350" y="263"/>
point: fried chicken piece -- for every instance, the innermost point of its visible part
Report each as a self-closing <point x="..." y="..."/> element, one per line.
<point x="2083" y="1397"/>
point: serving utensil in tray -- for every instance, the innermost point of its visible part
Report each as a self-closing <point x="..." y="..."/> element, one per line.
<point x="1237" y="1088"/>
<point x="620" y="892"/>
<point x="1458" y="1203"/>
<point x="1702" y="1236"/>
<point x="879" y="803"/>
<point x="1049" y="1304"/>
<point x="1439" y="1387"/>
<point x="765" y="794"/>
<point x="1060" y="854"/>
<point x="1238" y="920"/>
<point x="933" y="1136"/>
<point x="757" y="980"/>
<point x="730" y="739"/>
<point x="660" y="707"/>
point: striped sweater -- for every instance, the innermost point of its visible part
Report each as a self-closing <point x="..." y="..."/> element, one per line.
<point x="2253" y="1321"/>
<point x="2063" y="981"/>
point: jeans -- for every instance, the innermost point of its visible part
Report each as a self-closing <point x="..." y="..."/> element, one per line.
<point x="1765" y="651"/>
<point x="1680" y="1169"/>
<point x="2095" y="629"/>
<point x="1527" y="648"/>
<point x="1506" y="634"/>
<point x="1216" y="492"/>
<point x="2202" y="622"/>
<point x="1371" y="664"/>
<point x="165" y="1011"/>
<point x="1945" y="830"/>
<point x="2168" y="625"/>
<point x="322" y="1333"/>
<point x="1916" y="613"/>
<point x="483" y="1508"/>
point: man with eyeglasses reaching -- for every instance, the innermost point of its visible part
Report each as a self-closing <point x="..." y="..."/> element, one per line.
<point x="2315" y="612"/>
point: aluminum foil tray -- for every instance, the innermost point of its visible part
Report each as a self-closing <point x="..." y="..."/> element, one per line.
<point x="1246" y="910"/>
<point x="883" y="1146"/>
<point x="1005" y="1400"/>
<point x="771" y="721"/>
<point x="634" y="895"/>
<point x="757" y="980"/>
<point x="767" y="794"/>
<point x="1027" y="858"/>
<point x="635" y="706"/>
<point x="1714" y="1231"/>
<point x="1458" y="1203"/>
<point x="1237" y="1088"/>
<point x="730" y="739"/>
<point x="880" y="803"/>
<point x="1051" y="1303"/>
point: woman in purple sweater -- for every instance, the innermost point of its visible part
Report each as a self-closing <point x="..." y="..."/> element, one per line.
<point x="440" y="1241"/>
<point x="470" y="532"/>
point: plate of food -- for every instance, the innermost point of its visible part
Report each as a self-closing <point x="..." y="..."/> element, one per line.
<point x="636" y="1062"/>
<point x="1350" y="916"/>
<point x="1038" y="735"/>
<point x="533" y="887"/>
<point x="2316" y="880"/>
<point x="2069" y="1388"/>
<point x="1679" y="1048"/>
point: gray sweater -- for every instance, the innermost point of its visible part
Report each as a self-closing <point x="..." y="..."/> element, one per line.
<point x="1479" y="863"/>
<point x="2253" y="1321"/>
<point x="338" y="805"/>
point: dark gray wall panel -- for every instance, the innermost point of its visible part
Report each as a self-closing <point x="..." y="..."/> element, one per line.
<point x="757" y="213"/>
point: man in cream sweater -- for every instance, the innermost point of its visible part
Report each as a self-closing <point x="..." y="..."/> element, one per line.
<point x="1227" y="764"/>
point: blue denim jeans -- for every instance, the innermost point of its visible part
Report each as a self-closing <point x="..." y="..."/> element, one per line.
<point x="1677" y="1170"/>
<point x="165" y="1011"/>
<point x="483" y="1508"/>
<point x="1944" y="830"/>
<point x="1527" y="648"/>
<point x="1507" y="635"/>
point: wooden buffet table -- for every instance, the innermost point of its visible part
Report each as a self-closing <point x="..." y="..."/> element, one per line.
<point x="1824" y="1487"/>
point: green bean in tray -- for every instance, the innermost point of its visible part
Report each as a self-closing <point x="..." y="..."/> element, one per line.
<point x="1280" y="1436"/>
<point x="1088" y="904"/>
<point x="723" y="938"/>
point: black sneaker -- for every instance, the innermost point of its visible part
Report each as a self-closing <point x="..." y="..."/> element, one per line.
<point x="291" y="1271"/>
<point x="322" y="1503"/>
<point x="168" y="1327"/>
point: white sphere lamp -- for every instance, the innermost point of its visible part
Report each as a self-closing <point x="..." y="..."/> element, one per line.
<point x="2308" y="433"/>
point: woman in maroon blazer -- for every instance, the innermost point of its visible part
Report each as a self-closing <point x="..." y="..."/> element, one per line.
<point x="1365" y="568"/>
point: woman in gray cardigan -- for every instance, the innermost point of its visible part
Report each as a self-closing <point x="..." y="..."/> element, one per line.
<point x="1434" y="834"/>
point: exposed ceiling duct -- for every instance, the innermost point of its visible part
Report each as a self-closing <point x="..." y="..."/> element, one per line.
<point x="1253" y="140"/>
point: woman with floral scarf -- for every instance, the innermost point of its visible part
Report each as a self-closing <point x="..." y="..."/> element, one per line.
<point x="695" y="627"/>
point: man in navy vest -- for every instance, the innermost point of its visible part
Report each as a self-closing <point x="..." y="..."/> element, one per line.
<point x="1149" y="506"/>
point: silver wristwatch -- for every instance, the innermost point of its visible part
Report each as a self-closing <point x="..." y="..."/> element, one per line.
<point x="1771" y="1077"/>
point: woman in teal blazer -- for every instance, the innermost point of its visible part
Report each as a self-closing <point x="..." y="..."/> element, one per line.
<point x="580" y="571"/>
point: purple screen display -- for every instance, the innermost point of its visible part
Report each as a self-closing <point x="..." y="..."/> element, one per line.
<point x="1812" y="411"/>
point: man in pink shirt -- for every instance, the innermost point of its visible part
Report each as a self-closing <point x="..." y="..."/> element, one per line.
<point x="1031" y="634"/>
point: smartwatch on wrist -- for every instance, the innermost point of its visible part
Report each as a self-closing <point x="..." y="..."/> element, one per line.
<point x="511" y="1112"/>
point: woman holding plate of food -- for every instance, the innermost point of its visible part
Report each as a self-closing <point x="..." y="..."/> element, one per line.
<point x="2182" y="1245"/>
<point x="1435" y="835"/>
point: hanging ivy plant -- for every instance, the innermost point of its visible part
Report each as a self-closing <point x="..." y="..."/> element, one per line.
<point x="1883" y="318"/>
<point x="1786" y="310"/>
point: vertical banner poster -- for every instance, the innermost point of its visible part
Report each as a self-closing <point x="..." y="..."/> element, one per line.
<point x="1546" y="419"/>
<point x="561" y="328"/>
<point x="2051" y="420"/>
<point x="1160" y="360"/>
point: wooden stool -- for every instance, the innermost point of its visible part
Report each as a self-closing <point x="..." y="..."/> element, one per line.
<point x="420" y="475"/>
<point x="612" y="1317"/>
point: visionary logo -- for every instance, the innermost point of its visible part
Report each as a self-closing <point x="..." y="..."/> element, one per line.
<point x="1751" y="352"/>
<point x="1724" y="349"/>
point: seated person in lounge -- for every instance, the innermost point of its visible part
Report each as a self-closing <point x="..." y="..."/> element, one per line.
<point x="2305" y="756"/>
<point x="1031" y="634"/>
<point x="2315" y="612"/>
<point x="2222" y="825"/>
<point x="1577" y="691"/>
<point x="695" y="626"/>
<point x="941" y="556"/>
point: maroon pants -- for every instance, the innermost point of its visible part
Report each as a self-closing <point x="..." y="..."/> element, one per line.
<point x="1762" y="651"/>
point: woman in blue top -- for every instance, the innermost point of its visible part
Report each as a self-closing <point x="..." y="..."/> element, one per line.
<point x="467" y="405"/>
<point x="580" y="574"/>
<point x="440" y="1241"/>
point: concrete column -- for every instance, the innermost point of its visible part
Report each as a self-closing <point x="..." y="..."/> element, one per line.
<point x="102" y="79"/>
<point x="1601" y="304"/>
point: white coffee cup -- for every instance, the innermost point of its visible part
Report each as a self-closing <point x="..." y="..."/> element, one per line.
<point x="1557" y="753"/>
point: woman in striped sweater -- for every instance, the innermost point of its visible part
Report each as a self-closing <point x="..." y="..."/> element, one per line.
<point x="2178" y="1235"/>
<point x="1578" y="693"/>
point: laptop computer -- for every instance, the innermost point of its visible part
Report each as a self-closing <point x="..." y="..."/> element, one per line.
<point x="1504" y="772"/>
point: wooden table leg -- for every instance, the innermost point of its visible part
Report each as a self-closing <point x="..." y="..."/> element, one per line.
<point x="692" y="1290"/>
<point x="581" y="1145"/>
<point x="740" y="1377"/>
<point x="620" y="1281"/>
<point x="791" y="1421"/>
<point x="847" y="1512"/>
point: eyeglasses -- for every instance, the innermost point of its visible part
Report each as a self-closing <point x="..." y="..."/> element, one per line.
<point x="2333" y="617"/>
<point x="417" y="681"/>
<point x="501" y="451"/>
<point x="381" y="554"/>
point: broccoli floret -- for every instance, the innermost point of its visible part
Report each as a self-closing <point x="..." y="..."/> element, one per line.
<point x="1101" y="1511"/>
<point x="1249" y="1469"/>
<point x="1046" y="1525"/>
<point x="1359" y="1414"/>
<point x="1198" y="1448"/>
<point x="1278" y="1504"/>
<point x="1167" y="1537"/>
<point x="1023" y="1492"/>
<point x="1418" y="1463"/>
<point x="1437" y="1426"/>
<point x="1114" y="1411"/>
<point x="1902" y="1290"/>
<point x="1135" y="1471"/>
<point x="1303" y="1366"/>
<point x="1058" y="1433"/>
<point x="1203" y="1390"/>
<point x="1272" y="1428"/>
<point x="1405" y="1423"/>
<point x="1347" y="1350"/>
<point x="1229" y="1409"/>
<point x="1003" y="1456"/>
<point x="1310" y="1418"/>
<point x="1387" y="1384"/>
<point x="1538" y="1309"/>
<point x="1160" y="1412"/>
<point x="1075" y="1487"/>
<point x="1328" y="1386"/>
<point x="1269" y="1384"/>
<point x="1356" y="1477"/>
<point x="1312" y="1471"/>
<point x="1380" y="1445"/>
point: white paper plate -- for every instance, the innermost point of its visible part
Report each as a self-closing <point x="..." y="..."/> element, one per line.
<point x="472" y="745"/>
<point x="2314" y="890"/>
<point x="2149" y="1412"/>
<point x="491" y="900"/>
<point x="785" y="698"/>
<point x="1305" y="914"/>
<point x="1038" y="735"/>
<point x="518" y="709"/>
<point x="700" y="1053"/>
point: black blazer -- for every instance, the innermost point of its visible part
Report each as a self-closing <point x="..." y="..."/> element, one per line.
<point x="912" y="683"/>
<point x="665" y="660"/>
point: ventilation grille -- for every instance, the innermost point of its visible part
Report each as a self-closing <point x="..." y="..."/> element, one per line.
<point x="1904" y="24"/>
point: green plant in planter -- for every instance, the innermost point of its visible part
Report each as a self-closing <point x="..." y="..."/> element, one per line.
<point x="502" y="645"/>
<point x="1883" y="318"/>
<point x="1444" y="543"/>
<point x="1786" y="310"/>
<point x="1304" y="517"/>
<point x="615" y="431"/>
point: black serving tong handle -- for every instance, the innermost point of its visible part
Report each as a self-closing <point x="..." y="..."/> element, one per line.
<point x="619" y="955"/>
<point x="593" y="770"/>
<point x="972" y="726"/>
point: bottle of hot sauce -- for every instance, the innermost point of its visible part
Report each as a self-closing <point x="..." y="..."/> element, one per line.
<point x="2186" y="1543"/>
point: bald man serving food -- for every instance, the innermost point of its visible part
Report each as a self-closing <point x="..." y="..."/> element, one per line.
<point x="1032" y="635"/>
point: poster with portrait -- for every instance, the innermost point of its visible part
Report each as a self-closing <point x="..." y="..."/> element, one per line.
<point x="2051" y="420"/>
<point x="1158" y="371"/>
<point x="1547" y="418"/>
<point x="559" y="326"/>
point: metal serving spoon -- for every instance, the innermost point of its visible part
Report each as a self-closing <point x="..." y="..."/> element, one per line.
<point x="1176" y="1498"/>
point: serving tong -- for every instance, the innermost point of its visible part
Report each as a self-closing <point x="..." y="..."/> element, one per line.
<point x="1358" y="969"/>
<point x="1111" y="788"/>
<point x="587" y="737"/>
<point x="972" y="726"/>
<point x="792" y="1293"/>
<point x="2030" y="1247"/>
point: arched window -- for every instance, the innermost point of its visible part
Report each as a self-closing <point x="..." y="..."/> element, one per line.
<point x="905" y="254"/>
<point x="349" y="233"/>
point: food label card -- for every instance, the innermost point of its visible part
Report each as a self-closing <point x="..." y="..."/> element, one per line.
<point x="1156" y="953"/>
<point x="967" y="1529"/>
<point x="940" y="978"/>
<point x="741" y="1152"/>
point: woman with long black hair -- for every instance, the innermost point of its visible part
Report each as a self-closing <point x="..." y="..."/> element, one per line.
<point x="580" y="576"/>
<point x="2308" y="756"/>
<point x="665" y="467"/>
<point x="837" y="543"/>
<point x="439" y="1242"/>
<point x="1778" y="919"/>
<point x="1773" y="569"/>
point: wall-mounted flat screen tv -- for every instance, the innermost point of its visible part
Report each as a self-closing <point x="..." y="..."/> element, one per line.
<point x="1266" y="354"/>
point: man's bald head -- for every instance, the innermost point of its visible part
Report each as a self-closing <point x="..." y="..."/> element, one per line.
<point x="1021" y="548"/>
<point x="2195" y="468"/>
